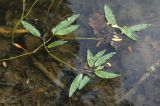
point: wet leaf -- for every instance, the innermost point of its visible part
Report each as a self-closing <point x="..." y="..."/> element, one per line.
<point x="139" y="27"/>
<point x="75" y="84"/>
<point x="128" y="33"/>
<point x="65" y="23"/>
<point x="90" y="58"/>
<point x="67" y="30"/>
<point x="104" y="74"/>
<point x="84" y="81"/>
<point x="104" y="59"/>
<point x="99" y="54"/>
<point x="56" y="43"/>
<point x="109" y="15"/>
<point x="30" y="28"/>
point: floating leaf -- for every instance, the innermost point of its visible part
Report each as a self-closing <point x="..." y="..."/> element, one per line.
<point x="75" y="84"/>
<point x="109" y="15"/>
<point x="65" y="23"/>
<point x="67" y="30"/>
<point x="84" y="81"/>
<point x="90" y="58"/>
<point x="99" y="54"/>
<point x="109" y="64"/>
<point x="30" y="28"/>
<point x="139" y="27"/>
<point x="104" y="59"/>
<point x="115" y="36"/>
<point x="117" y="39"/>
<point x="104" y="74"/>
<point x="128" y="33"/>
<point x="56" y="43"/>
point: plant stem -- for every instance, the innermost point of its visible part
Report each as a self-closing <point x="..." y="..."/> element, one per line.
<point x="22" y="17"/>
<point x="56" y="58"/>
<point x="78" y="38"/>
<point x="50" y="7"/>
<point x="25" y="54"/>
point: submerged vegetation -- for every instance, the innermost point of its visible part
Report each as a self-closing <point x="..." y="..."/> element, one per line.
<point x="95" y="63"/>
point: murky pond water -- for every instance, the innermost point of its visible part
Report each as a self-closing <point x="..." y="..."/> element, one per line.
<point x="23" y="82"/>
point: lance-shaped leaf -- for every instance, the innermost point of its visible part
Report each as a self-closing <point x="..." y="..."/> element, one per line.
<point x="109" y="15"/>
<point x="90" y="58"/>
<point x="104" y="74"/>
<point x="56" y="43"/>
<point x="126" y="31"/>
<point x="30" y="28"/>
<point x="67" y="30"/>
<point x="65" y="23"/>
<point x="139" y="27"/>
<point x="75" y="84"/>
<point x="84" y="81"/>
<point x="99" y="54"/>
<point x="104" y="59"/>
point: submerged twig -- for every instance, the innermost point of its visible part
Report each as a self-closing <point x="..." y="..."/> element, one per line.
<point x="48" y="74"/>
<point x="50" y="7"/>
<point x="60" y="1"/>
<point x="132" y="91"/>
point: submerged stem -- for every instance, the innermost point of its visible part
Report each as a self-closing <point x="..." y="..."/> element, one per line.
<point x="56" y="58"/>
<point x="50" y="7"/>
<point x="78" y="38"/>
<point x="25" y="54"/>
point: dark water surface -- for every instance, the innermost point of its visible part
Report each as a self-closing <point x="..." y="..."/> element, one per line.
<point x="23" y="84"/>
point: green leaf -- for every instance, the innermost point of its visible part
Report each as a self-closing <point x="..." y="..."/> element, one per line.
<point x="104" y="74"/>
<point x="99" y="54"/>
<point x="56" y="43"/>
<point x="30" y="28"/>
<point x="84" y="81"/>
<point x="109" y="15"/>
<point x="104" y="59"/>
<point x="90" y="58"/>
<point x="67" y="30"/>
<point x="139" y="27"/>
<point x="128" y="33"/>
<point x="99" y="67"/>
<point x="75" y="84"/>
<point x="65" y="23"/>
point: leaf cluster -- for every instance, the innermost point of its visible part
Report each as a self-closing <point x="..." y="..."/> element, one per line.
<point x="63" y="28"/>
<point x="128" y="31"/>
<point x="96" y="63"/>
